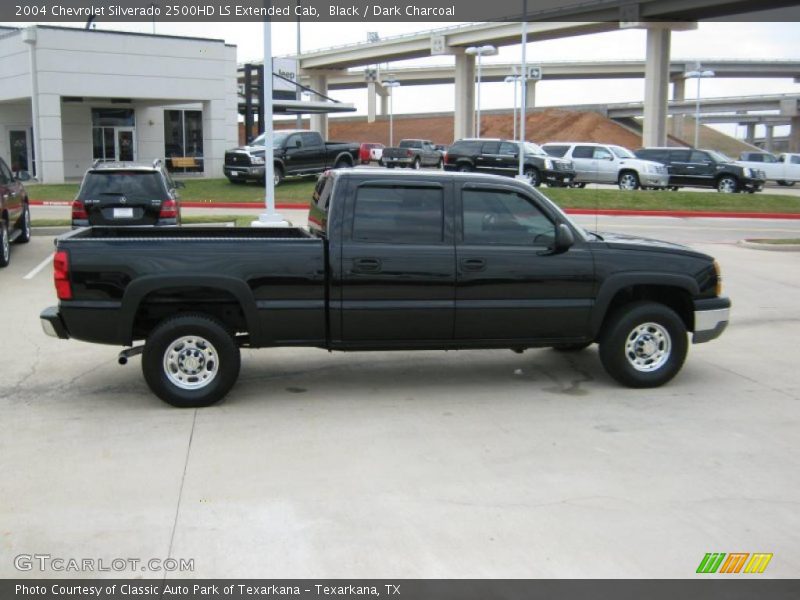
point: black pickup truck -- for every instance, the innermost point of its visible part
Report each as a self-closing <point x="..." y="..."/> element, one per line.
<point x="296" y="152"/>
<point x="392" y="261"/>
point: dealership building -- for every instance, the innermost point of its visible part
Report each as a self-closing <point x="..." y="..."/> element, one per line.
<point x="71" y="96"/>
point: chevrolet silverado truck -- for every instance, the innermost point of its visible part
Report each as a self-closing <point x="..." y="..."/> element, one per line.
<point x="413" y="154"/>
<point x="391" y="261"/>
<point x="296" y="152"/>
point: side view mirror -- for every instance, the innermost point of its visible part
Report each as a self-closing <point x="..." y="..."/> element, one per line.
<point x="298" y="144"/>
<point x="564" y="240"/>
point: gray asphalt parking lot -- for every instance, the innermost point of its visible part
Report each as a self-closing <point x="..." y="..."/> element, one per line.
<point x="423" y="464"/>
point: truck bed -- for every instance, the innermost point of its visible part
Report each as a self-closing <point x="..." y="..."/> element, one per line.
<point x="274" y="276"/>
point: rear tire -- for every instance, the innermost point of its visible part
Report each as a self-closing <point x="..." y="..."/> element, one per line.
<point x="416" y="164"/>
<point x="191" y="361"/>
<point x="643" y="345"/>
<point x="465" y="168"/>
<point x="24" y="225"/>
<point x="5" y="245"/>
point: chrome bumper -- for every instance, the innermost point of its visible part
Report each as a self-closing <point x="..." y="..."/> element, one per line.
<point x="709" y="324"/>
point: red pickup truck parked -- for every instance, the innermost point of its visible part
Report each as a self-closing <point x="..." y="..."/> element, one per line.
<point x="15" y="214"/>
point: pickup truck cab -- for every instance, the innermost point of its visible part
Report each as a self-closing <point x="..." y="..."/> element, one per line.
<point x="296" y="152"/>
<point x="607" y="163"/>
<point x="412" y="153"/>
<point x="391" y="261"/>
<point x="783" y="169"/>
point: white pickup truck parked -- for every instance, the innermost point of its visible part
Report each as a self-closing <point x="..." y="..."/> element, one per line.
<point x="784" y="168"/>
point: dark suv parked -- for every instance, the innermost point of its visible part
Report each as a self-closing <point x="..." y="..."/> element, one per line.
<point x="123" y="193"/>
<point x="502" y="157"/>
<point x="15" y="214"/>
<point x="705" y="168"/>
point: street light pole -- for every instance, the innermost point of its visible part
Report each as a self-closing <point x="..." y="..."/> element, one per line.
<point x="698" y="73"/>
<point x="480" y="51"/>
<point x="524" y="84"/>
<point x="269" y="218"/>
<point x="514" y="79"/>
<point x="298" y="90"/>
<point x="391" y="84"/>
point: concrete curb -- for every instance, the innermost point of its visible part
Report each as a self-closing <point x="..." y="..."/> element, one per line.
<point x="770" y="247"/>
<point x="611" y="212"/>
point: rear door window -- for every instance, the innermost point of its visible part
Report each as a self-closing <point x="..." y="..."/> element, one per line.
<point x="583" y="152"/>
<point x="679" y="155"/>
<point x="491" y="148"/>
<point x="399" y="214"/>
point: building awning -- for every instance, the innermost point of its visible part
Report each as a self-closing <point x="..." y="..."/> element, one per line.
<point x="304" y="107"/>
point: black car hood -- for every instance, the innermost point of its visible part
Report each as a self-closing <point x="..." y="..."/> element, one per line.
<point x="633" y="242"/>
<point x="251" y="150"/>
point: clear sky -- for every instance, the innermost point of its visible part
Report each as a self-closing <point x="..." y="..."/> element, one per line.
<point x="752" y="41"/>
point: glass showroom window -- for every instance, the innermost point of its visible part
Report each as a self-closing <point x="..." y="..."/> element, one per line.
<point x="183" y="140"/>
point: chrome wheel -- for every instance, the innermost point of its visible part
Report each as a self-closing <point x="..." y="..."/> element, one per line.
<point x="27" y="217"/>
<point x="727" y="185"/>
<point x="191" y="362"/>
<point x="648" y="347"/>
<point x="416" y="164"/>
<point x="533" y="176"/>
<point x="628" y="182"/>
<point x="6" y="244"/>
<point x="276" y="178"/>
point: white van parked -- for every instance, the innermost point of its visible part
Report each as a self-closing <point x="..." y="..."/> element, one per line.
<point x="607" y="163"/>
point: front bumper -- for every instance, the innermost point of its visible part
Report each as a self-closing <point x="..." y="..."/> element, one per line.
<point x="52" y="324"/>
<point x="752" y="185"/>
<point x="554" y="177"/>
<point x="244" y="172"/>
<point x="654" y="180"/>
<point x="711" y="317"/>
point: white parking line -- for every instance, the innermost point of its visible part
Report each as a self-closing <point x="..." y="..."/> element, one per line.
<point x="38" y="268"/>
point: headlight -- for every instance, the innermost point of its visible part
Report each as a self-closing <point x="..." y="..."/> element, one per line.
<point x="548" y="164"/>
<point x="748" y="172"/>
<point x="257" y="160"/>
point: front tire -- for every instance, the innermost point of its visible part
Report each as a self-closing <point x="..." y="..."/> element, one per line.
<point x="190" y="361"/>
<point x="278" y="176"/>
<point x="533" y="176"/>
<point x="24" y="225"/>
<point x="628" y="181"/>
<point x="643" y="345"/>
<point x="727" y="185"/>
<point x="416" y="164"/>
<point x="465" y="168"/>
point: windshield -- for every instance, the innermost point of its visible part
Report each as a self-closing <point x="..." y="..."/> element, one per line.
<point x="719" y="156"/>
<point x="622" y="152"/>
<point x="531" y="148"/>
<point x="277" y="140"/>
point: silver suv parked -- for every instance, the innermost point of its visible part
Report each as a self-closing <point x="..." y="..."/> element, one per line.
<point x="607" y="163"/>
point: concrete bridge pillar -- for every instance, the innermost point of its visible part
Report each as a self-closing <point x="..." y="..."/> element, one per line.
<point x="463" y="125"/>
<point x="750" y="136"/>
<point x="656" y="85"/>
<point x="769" y="136"/>
<point x="319" y="121"/>
<point x="678" y="94"/>
<point x="372" y="100"/>
<point x="794" y="135"/>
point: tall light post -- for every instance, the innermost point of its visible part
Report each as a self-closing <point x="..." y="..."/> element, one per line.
<point x="698" y="73"/>
<point x="269" y="218"/>
<point x="524" y="82"/>
<point x="514" y="79"/>
<point x="391" y="84"/>
<point x="298" y="90"/>
<point x="480" y="51"/>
